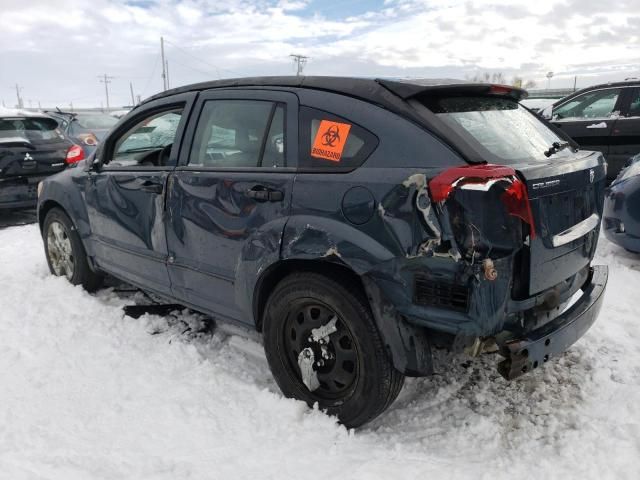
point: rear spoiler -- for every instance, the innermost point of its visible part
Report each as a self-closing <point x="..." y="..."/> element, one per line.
<point x="407" y="89"/>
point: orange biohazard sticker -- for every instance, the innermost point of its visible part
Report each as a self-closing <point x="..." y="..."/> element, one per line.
<point x="330" y="140"/>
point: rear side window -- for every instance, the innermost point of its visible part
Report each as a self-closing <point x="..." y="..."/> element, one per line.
<point x="33" y="129"/>
<point x="501" y="129"/>
<point x="330" y="142"/>
<point x="93" y="122"/>
<point x="239" y="134"/>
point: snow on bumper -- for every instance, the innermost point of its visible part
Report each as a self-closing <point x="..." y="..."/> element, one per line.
<point x="526" y="353"/>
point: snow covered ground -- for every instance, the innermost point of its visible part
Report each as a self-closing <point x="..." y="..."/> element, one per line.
<point x="86" y="393"/>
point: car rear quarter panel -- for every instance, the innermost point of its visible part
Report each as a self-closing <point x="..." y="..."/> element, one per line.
<point x="367" y="220"/>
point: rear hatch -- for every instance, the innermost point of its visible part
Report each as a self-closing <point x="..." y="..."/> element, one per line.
<point x="31" y="146"/>
<point x="565" y="187"/>
<point x="566" y="201"/>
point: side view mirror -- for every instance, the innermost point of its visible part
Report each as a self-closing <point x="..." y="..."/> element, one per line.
<point x="547" y="113"/>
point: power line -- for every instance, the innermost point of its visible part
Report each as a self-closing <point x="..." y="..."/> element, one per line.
<point x="106" y="79"/>
<point x="153" y="72"/>
<point x="216" y="67"/>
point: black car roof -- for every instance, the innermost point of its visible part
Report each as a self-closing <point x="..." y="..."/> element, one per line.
<point x="631" y="82"/>
<point x="373" y="90"/>
<point x="391" y="94"/>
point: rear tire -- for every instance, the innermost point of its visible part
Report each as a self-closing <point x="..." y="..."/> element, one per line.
<point x="65" y="253"/>
<point x="357" y="380"/>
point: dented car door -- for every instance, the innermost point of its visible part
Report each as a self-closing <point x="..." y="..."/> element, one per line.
<point x="229" y="198"/>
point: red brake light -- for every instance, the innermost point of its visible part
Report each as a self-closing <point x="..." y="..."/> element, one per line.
<point x="500" y="90"/>
<point x="516" y="200"/>
<point x="74" y="154"/>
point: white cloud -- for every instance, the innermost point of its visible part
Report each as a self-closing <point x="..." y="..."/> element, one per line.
<point x="55" y="50"/>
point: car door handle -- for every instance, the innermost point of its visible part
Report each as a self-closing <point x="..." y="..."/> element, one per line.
<point x="152" y="187"/>
<point x="598" y="125"/>
<point x="264" y="194"/>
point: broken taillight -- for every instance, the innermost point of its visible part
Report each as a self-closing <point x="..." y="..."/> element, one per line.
<point x="515" y="198"/>
<point x="516" y="201"/>
<point x="441" y="185"/>
<point x="74" y="154"/>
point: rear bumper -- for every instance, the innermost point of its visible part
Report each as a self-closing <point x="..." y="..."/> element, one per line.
<point x="529" y="351"/>
<point x="19" y="192"/>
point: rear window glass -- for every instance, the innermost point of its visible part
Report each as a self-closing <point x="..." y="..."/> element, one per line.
<point x="498" y="127"/>
<point x="98" y="122"/>
<point x="330" y="142"/>
<point x="33" y="129"/>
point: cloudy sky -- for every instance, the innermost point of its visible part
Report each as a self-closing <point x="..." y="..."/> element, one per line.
<point x="55" y="49"/>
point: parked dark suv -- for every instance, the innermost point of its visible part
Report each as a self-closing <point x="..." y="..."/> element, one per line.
<point x="31" y="148"/>
<point x="356" y="223"/>
<point x="605" y="118"/>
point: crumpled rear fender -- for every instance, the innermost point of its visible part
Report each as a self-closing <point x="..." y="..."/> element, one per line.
<point x="308" y="238"/>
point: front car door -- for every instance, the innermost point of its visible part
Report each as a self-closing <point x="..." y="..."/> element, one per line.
<point x="625" y="138"/>
<point x="126" y="192"/>
<point x="229" y="198"/>
<point x="589" y="118"/>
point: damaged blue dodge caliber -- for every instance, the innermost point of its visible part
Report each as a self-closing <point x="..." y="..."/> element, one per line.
<point x="355" y="223"/>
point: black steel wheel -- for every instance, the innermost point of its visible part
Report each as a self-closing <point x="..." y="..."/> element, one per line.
<point x="337" y="358"/>
<point x="323" y="347"/>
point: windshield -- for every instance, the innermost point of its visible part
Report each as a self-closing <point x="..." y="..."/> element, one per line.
<point x="33" y="129"/>
<point x="500" y="126"/>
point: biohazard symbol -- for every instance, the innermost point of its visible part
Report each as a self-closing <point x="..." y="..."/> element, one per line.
<point x="330" y="140"/>
<point x="331" y="136"/>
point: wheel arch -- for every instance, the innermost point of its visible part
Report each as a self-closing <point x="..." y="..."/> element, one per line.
<point x="267" y="282"/>
<point x="45" y="208"/>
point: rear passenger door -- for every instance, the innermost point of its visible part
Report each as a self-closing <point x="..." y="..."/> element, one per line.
<point x="625" y="138"/>
<point x="589" y="118"/>
<point x="233" y="183"/>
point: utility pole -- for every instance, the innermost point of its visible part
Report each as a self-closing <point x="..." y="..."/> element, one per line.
<point x="106" y="79"/>
<point x="575" y="81"/>
<point x="164" y="65"/>
<point x="549" y="76"/>
<point x="71" y="106"/>
<point x="20" y="103"/>
<point x="300" y="61"/>
<point x="133" y="100"/>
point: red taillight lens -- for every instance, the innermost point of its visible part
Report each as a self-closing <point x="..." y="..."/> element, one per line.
<point x="88" y="139"/>
<point x="516" y="201"/>
<point x="74" y="154"/>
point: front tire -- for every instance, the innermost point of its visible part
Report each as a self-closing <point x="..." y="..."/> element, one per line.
<point x="65" y="253"/>
<point x="354" y="377"/>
